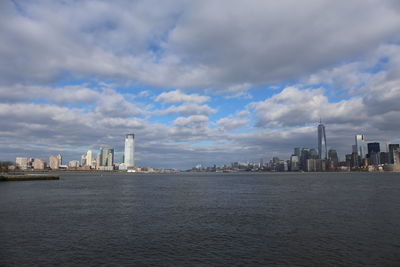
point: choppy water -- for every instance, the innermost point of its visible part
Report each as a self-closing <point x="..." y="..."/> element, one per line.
<point x="329" y="219"/>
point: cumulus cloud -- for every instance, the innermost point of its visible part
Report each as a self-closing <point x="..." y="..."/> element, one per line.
<point x="232" y="123"/>
<point x="295" y="107"/>
<point x="177" y="96"/>
<point x="187" y="109"/>
<point x="224" y="44"/>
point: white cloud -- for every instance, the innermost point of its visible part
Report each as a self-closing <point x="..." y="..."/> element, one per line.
<point x="295" y="107"/>
<point x="194" y="121"/>
<point x="177" y="96"/>
<point x="187" y="109"/>
<point x="220" y="45"/>
<point x="231" y="123"/>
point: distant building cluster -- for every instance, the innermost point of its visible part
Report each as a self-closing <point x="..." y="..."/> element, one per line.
<point x="103" y="160"/>
<point x="364" y="157"/>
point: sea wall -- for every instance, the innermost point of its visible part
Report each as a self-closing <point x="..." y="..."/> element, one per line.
<point x="28" y="177"/>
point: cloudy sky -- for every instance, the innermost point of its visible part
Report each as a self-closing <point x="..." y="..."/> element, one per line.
<point x="198" y="82"/>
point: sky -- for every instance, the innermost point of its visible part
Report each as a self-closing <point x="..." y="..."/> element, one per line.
<point x="198" y="82"/>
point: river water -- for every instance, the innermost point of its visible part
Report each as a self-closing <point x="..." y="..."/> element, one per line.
<point x="213" y="219"/>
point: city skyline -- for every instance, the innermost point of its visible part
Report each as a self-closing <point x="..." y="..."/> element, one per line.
<point x="302" y="159"/>
<point x="197" y="82"/>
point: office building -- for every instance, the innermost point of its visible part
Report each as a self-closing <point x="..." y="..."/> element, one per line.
<point x="294" y="163"/>
<point x="333" y="159"/>
<point x="311" y="165"/>
<point x="297" y="151"/>
<point x="384" y="157"/>
<point x="360" y="145"/>
<point x="373" y="148"/>
<point x="129" y="153"/>
<point x="373" y="153"/>
<point x="322" y="147"/>
<point x="392" y="151"/>
<point x="305" y="154"/>
<point x="313" y="154"/>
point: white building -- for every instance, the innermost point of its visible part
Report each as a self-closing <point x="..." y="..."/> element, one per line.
<point x="129" y="154"/>
<point x="360" y="146"/>
<point x="89" y="158"/>
<point x="23" y="163"/>
<point x="39" y="164"/>
<point x="73" y="164"/>
<point x="54" y="162"/>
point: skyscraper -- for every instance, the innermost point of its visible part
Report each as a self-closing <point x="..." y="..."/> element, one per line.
<point x="322" y="148"/>
<point x="373" y="148"/>
<point x="106" y="157"/>
<point x="129" y="154"/>
<point x="373" y="153"/>
<point x="392" y="152"/>
<point x="360" y="145"/>
<point x="89" y="158"/>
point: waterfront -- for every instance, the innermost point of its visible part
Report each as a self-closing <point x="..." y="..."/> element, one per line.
<point x="202" y="218"/>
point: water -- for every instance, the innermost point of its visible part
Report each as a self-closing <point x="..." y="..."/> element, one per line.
<point x="329" y="219"/>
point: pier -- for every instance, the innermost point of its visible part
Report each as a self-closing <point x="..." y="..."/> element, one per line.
<point x="28" y="177"/>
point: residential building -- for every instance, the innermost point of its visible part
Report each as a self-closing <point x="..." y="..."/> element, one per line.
<point x="39" y="164"/>
<point x="54" y="162"/>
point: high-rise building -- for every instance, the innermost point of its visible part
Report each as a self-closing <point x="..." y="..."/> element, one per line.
<point x="59" y="157"/>
<point x="294" y="163"/>
<point x="297" y="151"/>
<point x="373" y="153"/>
<point x="384" y="157"/>
<point x="110" y="158"/>
<point x="373" y="148"/>
<point x="305" y="154"/>
<point x="89" y="158"/>
<point x="98" y="161"/>
<point x="54" y="163"/>
<point x="129" y="153"/>
<point x="83" y="160"/>
<point x="360" y="145"/>
<point x="313" y="154"/>
<point x="106" y="156"/>
<point x="392" y="150"/>
<point x="333" y="159"/>
<point x="322" y="147"/>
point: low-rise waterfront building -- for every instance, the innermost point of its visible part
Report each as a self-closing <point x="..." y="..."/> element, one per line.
<point x="54" y="162"/>
<point x="23" y="163"/>
<point x="39" y="164"/>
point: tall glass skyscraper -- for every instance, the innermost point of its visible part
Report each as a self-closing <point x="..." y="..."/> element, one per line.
<point x="129" y="154"/>
<point x="360" y="145"/>
<point x="322" y="148"/>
